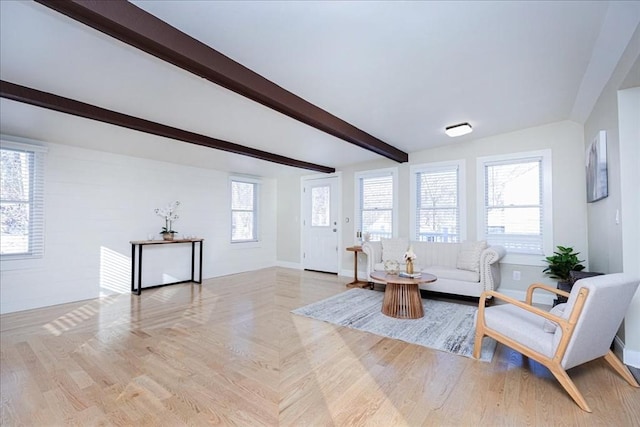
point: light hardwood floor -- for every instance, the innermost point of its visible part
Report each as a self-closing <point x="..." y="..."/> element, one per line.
<point x="231" y="353"/>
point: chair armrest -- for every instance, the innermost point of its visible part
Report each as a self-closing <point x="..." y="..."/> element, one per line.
<point x="545" y="288"/>
<point x="373" y="250"/>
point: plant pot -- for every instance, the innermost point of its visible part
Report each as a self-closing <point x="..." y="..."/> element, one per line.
<point x="167" y="236"/>
<point x="563" y="285"/>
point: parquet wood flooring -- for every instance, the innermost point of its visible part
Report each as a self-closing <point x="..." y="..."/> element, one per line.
<point x="229" y="352"/>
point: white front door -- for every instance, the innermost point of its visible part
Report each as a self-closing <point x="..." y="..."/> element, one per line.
<point x="320" y="224"/>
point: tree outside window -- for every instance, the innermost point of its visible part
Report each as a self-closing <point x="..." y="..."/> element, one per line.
<point x="437" y="208"/>
<point x="21" y="201"/>
<point x="244" y="211"/>
<point x="517" y="204"/>
<point x="376" y="204"/>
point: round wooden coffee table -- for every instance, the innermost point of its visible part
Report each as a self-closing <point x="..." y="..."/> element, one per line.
<point x="402" y="294"/>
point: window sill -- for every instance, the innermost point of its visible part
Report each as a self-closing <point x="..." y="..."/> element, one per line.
<point x="524" y="259"/>
<point x="245" y="245"/>
<point x="9" y="263"/>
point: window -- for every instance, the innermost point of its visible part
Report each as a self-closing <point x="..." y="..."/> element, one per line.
<point x="321" y="206"/>
<point x="244" y="210"/>
<point x="375" y="209"/>
<point x="21" y="200"/>
<point x="437" y="205"/>
<point x="516" y="202"/>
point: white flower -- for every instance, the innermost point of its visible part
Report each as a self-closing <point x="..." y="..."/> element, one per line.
<point x="169" y="214"/>
<point x="410" y="255"/>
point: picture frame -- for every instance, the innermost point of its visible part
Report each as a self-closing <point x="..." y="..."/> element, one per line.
<point x="596" y="168"/>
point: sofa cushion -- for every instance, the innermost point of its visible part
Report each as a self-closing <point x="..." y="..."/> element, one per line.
<point x="394" y="249"/>
<point x="469" y="255"/>
<point x="451" y="273"/>
<point x="440" y="272"/>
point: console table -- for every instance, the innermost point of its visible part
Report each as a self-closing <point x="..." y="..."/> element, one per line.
<point x="141" y="243"/>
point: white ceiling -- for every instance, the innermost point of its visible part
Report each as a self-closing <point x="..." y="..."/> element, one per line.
<point x="400" y="71"/>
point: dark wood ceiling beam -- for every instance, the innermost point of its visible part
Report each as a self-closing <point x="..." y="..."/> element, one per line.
<point x="134" y="26"/>
<point x="54" y="102"/>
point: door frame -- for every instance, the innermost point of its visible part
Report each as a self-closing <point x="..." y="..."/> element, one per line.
<point x="304" y="180"/>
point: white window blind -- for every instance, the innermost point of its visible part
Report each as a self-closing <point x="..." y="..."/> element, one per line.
<point x="244" y="215"/>
<point x="21" y="200"/>
<point x="376" y="205"/>
<point x="437" y="207"/>
<point x="514" y="211"/>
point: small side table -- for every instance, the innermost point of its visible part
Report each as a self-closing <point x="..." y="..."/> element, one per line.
<point x="402" y="294"/>
<point x="356" y="283"/>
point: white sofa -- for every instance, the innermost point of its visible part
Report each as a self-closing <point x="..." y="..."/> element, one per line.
<point x="467" y="268"/>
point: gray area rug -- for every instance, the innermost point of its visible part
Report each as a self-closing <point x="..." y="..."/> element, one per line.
<point x="445" y="326"/>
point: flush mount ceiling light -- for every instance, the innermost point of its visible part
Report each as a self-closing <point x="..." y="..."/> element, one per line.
<point x="458" y="130"/>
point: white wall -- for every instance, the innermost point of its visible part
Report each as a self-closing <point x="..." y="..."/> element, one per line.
<point x="569" y="211"/>
<point x="96" y="202"/>
<point x="565" y="139"/>
<point x="629" y="110"/>
<point x="289" y="222"/>
<point x="612" y="244"/>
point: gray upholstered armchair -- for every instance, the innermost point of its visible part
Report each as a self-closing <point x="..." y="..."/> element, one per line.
<point x="570" y="335"/>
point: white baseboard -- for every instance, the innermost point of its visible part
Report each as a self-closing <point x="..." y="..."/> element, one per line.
<point x="629" y="357"/>
<point x="538" y="297"/>
<point x="349" y="273"/>
<point x="286" y="264"/>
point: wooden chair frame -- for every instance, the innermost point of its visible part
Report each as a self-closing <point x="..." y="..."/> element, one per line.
<point x="567" y="325"/>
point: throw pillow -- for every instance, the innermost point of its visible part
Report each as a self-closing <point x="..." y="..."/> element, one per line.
<point x="394" y="249"/>
<point x="469" y="255"/>
<point x="550" y="326"/>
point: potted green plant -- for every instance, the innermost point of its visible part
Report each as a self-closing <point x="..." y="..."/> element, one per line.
<point x="561" y="263"/>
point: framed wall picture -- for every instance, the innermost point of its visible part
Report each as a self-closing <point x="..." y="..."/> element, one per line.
<point x="596" y="162"/>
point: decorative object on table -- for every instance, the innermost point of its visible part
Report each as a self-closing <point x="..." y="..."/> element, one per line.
<point x="409" y="257"/>
<point x="596" y="164"/>
<point x="391" y="266"/>
<point x="410" y="275"/>
<point x="169" y="214"/>
<point x="445" y="326"/>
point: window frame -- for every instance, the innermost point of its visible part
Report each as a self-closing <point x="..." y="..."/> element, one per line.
<point x="546" y="203"/>
<point x="256" y="209"/>
<point x="414" y="170"/>
<point x="376" y="173"/>
<point x="36" y="197"/>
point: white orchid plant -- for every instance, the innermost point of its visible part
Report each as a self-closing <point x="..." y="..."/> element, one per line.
<point x="169" y="214"/>
<point x="410" y="255"/>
